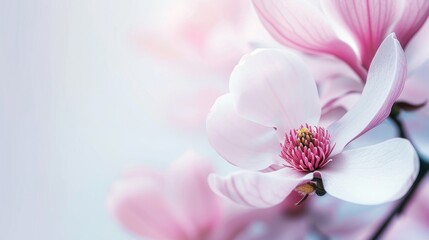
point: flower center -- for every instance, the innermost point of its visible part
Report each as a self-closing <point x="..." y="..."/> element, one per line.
<point x="307" y="149"/>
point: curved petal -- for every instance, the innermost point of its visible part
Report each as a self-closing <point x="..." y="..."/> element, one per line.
<point x="414" y="16"/>
<point x="257" y="189"/>
<point x="302" y="25"/>
<point x="372" y="175"/>
<point x="368" y="21"/>
<point x="192" y="200"/>
<point x="385" y="82"/>
<point x="138" y="203"/>
<point x="239" y="141"/>
<point x="274" y="88"/>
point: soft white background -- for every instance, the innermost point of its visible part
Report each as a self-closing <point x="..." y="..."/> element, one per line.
<point x="73" y="115"/>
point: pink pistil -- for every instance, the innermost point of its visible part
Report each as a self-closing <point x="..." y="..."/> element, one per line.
<point x="307" y="149"/>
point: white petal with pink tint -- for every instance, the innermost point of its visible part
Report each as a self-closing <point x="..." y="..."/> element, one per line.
<point x="239" y="141"/>
<point x="385" y="82"/>
<point x="302" y="25"/>
<point x="372" y="175"/>
<point x="368" y="21"/>
<point x="256" y="189"/>
<point x="274" y="88"/>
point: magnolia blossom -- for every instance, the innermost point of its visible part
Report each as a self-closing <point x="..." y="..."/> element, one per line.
<point x="200" y="42"/>
<point x="178" y="204"/>
<point x="270" y="122"/>
<point x="351" y="31"/>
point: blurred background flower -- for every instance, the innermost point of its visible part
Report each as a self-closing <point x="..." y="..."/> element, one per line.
<point x="91" y="88"/>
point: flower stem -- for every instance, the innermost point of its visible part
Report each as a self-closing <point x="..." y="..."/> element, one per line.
<point x="424" y="167"/>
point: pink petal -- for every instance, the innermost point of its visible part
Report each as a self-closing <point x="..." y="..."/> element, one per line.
<point x="385" y="82"/>
<point x="302" y="25"/>
<point x="416" y="54"/>
<point x="414" y="16"/>
<point x="194" y="203"/>
<point x="274" y="88"/>
<point x="257" y="189"/>
<point x="372" y="175"/>
<point x="368" y="21"/>
<point x="406" y="227"/>
<point x="138" y="203"/>
<point x="239" y="141"/>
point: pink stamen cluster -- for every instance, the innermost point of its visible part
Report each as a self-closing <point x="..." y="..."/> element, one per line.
<point x="307" y="149"/>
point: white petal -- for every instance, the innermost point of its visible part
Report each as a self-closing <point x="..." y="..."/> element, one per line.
<point x="372" y="175"/>
<point x="275" y="88"/>
<point x="257" y="189"/>
<point x="241" y="142"/>
<point x="385" y="82"/>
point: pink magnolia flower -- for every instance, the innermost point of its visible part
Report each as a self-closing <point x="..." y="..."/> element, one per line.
<point x="270" y="121"/>
<point x="351" y="31"/>
<point x="178" y="204"/>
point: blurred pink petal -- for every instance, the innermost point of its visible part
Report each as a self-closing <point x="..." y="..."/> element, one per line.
<point x="385" y="83"/>
<point x="193" y="33"/>
<point x="178" y="205"/>
<point x="200" y="42"/>
<point x="372" y="175"/>
<point x="416" y="53"/>
<point x="367" y="21"/>
<point x="256" y="189"/>
<point x="413" y="222"/>
<point x="241" y="142"/>
<point x="274" y="88"/>
<point x="303" y="25"/>
<point x="139" y="204"/>
<point x="186" y="184"/>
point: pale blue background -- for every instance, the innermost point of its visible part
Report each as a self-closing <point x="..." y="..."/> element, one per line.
<point x="73" y="115"/>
